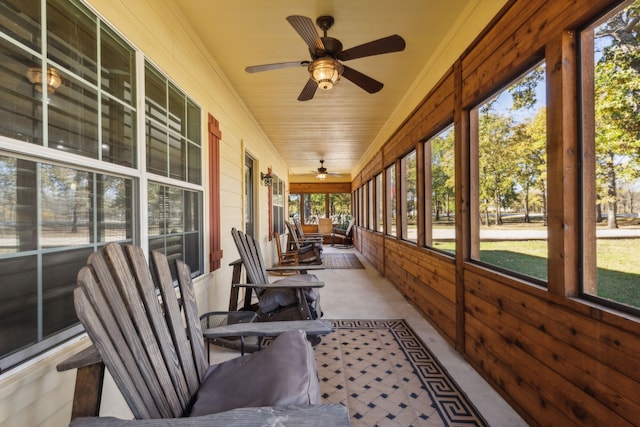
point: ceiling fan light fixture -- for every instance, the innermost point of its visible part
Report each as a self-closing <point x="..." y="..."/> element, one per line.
<point x="321" y="176"/>
<point x="53" y="79"/>
<point x="326" y="72"/>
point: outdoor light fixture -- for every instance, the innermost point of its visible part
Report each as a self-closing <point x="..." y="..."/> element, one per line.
<point x="326" y="72"/>
<point x="53" y="79"/>
<point x="321" y="176"/>
<point x="266" y="178"/>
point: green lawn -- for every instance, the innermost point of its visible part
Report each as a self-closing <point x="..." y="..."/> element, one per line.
<point x="618" y="264"/>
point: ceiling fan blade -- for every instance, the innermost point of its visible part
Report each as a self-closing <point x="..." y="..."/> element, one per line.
<point x="362" y="80"/>
<point x="308" y="91"/>
<point x="276" y="66"/>
<point x="393" y="43"/>
<point x="307" y="30"/>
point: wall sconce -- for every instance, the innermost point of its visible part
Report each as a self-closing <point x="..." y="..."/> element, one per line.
<point x="267" y="179"/>
<point x="53" y="79"/>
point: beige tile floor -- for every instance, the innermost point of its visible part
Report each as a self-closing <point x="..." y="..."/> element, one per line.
<point x="365" y="294"/>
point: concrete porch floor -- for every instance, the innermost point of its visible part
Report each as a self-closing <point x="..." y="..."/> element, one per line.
<point x="365" y="294"/>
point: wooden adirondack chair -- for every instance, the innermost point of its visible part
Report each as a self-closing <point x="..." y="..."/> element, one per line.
<point x="308" y="251"/>
<point x="155" y="354"/>
<point x="307" y="237"/>
<point x="343" y="236"/>
<point x="291" y="298"/>
<point x="285" y="259"/>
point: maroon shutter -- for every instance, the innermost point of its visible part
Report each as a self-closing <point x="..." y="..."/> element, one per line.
<point x="214" y="194"/>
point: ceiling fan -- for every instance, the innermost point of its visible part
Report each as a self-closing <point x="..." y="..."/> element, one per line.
<point x="321" y="173"/>
<point x="325" y="67"/>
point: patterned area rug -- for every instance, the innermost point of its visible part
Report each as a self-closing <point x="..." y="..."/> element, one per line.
<point x="386" y="376"/>
<point x="336" y="261"/>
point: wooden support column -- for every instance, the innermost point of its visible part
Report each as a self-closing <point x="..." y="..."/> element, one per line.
<point x="562" y="166"/>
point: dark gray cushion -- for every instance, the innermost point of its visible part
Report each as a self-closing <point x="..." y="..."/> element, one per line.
<point x="284" y="373"/>
<point x="274" y="298"/>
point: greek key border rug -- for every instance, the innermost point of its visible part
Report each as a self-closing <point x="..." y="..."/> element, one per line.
<point x="386" y="376"/>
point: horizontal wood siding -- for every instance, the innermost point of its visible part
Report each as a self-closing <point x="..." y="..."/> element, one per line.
<point x="430" y="116"/>
<point x="372" y="248"/>
<point x="373" y="167"/>
<point x="558" y="359"/>
<point x="580" y="370"/>
<point x="516" y="40"/>
<point x="426" y="279"/>
<point x="320" y="187"/>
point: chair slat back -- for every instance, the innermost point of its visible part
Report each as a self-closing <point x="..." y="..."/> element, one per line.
<point x="299" y="231"/>
<point x="141" y="338"/>
<point x="251" y="255"/>
<point x="292" y="235"/>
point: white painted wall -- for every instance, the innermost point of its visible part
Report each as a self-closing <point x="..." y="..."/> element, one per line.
<point x="35" y="393"/>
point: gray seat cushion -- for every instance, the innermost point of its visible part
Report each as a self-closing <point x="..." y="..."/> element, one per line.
<point x="274" y="298"/>
<point x="284" y="373"/>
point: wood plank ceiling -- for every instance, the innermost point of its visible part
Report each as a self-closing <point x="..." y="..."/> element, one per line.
<point x="338" y="125"/>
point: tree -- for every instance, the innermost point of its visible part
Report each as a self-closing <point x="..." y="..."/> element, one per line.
<point x="442" y="172"/>
<point x="617" y="105"/>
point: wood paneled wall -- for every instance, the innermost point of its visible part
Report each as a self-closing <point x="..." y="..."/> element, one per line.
<point x="558" y="359"/>
<point x="320" y="187"/>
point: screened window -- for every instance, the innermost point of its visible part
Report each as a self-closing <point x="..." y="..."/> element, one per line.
<point x="340" y="208"/>
<point x="277" y="189"/>
<point x="172" y="130"/>
<point x="68" y="96"/>
<point x="509" y="210"/>
<point x="364" y="205"/>
<point x="409" y="197"/>
<point x="175" y="225"/>
<point x="294" y="206"/>
<point x="379" y="223"/>
<point x="371" y="201"/>
<point x="314" y="207"/>
<point x="309" y="207"/>
<point x="440" y="191"/>
<point x="172" y="124"/>
<point x="391" y="200"/>
<point x="52" y="217"/>
<point x="611" y="165"/>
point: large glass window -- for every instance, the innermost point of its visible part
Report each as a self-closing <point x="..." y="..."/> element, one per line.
<point x="52" y="217"/>
<point x="409" y="197"/>
<point x="611" y="165"/>
<point x="68" y="85"/>
<point x="379" y="223"/>
<point x="172" y="124"/>
<point x="173" y="144"/>
<point x="64" y="85"/>
<point x="340" y="208"/>
<point x="309" y="207"/>
<point x="509" y="209"/>
<point x="314" y="207"/>
<point x="175" y="224"/>
<point x="277" y="189"/>
<point x="391" y="200"/>
<point x="440" y="191"/>
<point x="372" y="206"/>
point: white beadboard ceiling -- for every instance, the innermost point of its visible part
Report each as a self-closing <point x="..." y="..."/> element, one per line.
<point x="337" y="125"/>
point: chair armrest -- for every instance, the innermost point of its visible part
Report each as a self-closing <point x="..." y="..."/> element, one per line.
<point x="88" y="356"/>
<point x="269" y="329"/>
<point x="296" y="267"/>
<point x="328" y="415"/>
<point x="280" y="285"/>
